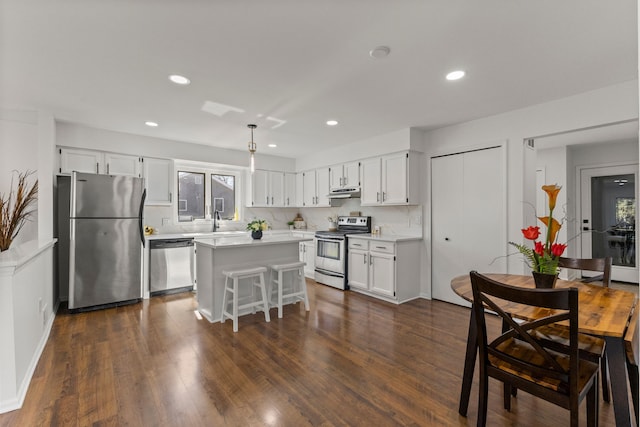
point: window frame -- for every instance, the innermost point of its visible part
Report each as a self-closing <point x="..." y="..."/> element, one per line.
<point x="209" y="170"/>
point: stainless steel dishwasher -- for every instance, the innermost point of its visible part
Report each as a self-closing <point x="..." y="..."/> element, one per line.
<point x="170" y="266"/>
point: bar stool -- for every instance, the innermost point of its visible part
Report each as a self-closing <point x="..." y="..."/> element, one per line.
<point x="236" y="276"/>
<point x="298" y="294"/>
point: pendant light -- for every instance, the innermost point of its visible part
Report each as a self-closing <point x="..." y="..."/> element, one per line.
<point x="252" y="149"/>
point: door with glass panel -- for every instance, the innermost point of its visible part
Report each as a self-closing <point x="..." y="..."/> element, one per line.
<point x="608" y="218"/>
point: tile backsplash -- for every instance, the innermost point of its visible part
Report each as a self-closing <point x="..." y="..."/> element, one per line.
<point x="405" y="220"/>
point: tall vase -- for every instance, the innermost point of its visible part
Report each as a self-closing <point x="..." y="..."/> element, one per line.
<point x="544" y="280"/>
<point x="256" y="235"/>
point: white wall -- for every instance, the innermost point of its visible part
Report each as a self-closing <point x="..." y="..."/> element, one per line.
<point x="403" y="139"/>
<point x="79" y="136"/>
<point x="27" y="143"/>
<point x="607" y="105"/>
<point x="27" y="288"/>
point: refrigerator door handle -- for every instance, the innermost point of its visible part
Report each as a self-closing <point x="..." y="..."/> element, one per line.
<point x="144" y="196"/>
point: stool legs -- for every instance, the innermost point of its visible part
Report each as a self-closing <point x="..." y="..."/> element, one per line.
<point x="303" y="288"/>
<point x="299" y="294"/>
<point x="280" y="277"/>
<point x="264" y="303"/>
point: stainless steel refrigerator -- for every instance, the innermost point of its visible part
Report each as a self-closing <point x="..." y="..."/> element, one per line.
<point x="100" y="220"/>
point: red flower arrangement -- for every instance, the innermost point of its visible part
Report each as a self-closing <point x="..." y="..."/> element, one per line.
<point x="544" y="256"/>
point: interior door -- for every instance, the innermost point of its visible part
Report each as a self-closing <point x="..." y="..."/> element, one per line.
<point x="608" y="208"/>
<point x="467" y="218"/>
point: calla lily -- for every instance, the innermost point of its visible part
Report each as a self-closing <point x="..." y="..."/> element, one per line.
<point x="552" y="191"/>
<point x="553" y="229"/>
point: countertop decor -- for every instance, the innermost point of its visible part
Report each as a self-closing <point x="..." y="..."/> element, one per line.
<point x="14" y="209"/>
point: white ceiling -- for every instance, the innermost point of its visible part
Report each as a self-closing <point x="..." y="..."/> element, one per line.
<point x="105" y="63"/>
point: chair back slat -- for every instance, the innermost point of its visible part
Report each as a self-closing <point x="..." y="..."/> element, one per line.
<point x="602" y="265"/>
<point x="632" y="338"/>
<point x="551" y="306"/>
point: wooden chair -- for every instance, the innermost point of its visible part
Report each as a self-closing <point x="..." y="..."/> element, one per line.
<point x="590" y="348"/>
<point x="631" y="341"/>
<point x="518" y="359"/>
<point x="592" y="264"/>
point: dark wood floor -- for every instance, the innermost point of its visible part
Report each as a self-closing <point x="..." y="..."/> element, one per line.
<point x="352" y="360"/>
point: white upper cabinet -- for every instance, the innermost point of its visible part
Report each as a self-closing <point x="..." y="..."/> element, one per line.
<point x="309" y="188"/>
<point x="322" y="187"/>
<point x="92" y="161"/>
<point x="390" y="180"/>
<point x="73" y="159"/>
<point x="267" y="189"/>
<point x="344" y="175"/>
<point x="370" y="170"/>
<point x="315" y="188"/>
<point x="395" y="179"/>
<point x="158" y="179"/>
<point x="122" y="164"/>
<point x="289" y="189"/>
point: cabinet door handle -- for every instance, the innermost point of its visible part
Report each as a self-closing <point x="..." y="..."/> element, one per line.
<point x="370" y="262"/>
<point x="170" y="197"/>
<point x="107" y="168"/>
<point x="287" y="201"/>
<point x="381" y="247"/>
<point x="356" y="244"/>
<point x="377" y="196"/>
<point x="384" y="196"/>
<point x="272" y="200"/>
<point x="364" y="258"/>
<point x="97" y="167"/>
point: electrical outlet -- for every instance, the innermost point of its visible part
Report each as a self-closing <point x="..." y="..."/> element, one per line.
<point x="418" y="219"/>
<point x="166" y="221"/>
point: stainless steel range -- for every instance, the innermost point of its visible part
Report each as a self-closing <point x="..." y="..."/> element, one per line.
<point x="331" y="250"/>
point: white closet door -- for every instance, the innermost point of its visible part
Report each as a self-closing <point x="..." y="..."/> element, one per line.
<point x="468" y="218"/>
<point x="447" y="238"/>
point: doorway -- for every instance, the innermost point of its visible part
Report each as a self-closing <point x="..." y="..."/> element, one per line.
<point x="608" y="207"/>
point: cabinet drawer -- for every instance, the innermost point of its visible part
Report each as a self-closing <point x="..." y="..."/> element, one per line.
<point x="384" y="247"/>
<point x="359" y="244"/>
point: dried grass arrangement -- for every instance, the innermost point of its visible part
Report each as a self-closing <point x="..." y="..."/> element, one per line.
<point x="14" y="209"/>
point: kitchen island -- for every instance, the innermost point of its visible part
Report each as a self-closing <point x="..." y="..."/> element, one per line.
<point x="214" y="255"/>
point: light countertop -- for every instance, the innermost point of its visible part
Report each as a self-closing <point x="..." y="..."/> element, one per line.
<point x="385" y="237"/>
<point x="246" y="240"/>
<point x="211" y="234"/>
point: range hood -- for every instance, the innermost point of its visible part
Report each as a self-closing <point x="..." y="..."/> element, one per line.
<point x="344" y="193"/>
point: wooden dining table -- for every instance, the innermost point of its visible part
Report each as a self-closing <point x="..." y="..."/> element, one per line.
<point x="603" y="312"/>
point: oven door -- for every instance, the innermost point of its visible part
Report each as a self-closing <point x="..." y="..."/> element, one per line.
<point x="330" y="252"/>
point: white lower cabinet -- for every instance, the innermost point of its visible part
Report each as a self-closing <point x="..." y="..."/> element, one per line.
<point x="308" y="255"/>
<point x="384" y="269"/>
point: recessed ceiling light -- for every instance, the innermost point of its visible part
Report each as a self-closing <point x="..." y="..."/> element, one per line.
<point x="455" y="75"/>
<point x="151" y="124"/>
<point x="272" y="145"/>
<point x="179" y="80"/>
<point x="380" y="52"/>
<point x="332" y="122"/>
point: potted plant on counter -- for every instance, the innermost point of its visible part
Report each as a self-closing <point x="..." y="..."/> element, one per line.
<point x="290" y="224"/>
<point x="257" y="226"/>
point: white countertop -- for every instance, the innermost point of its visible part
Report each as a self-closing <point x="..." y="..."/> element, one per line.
<point x="211" y="234"/>
<point x="246" y="240"/>
<point x="385" y="237"/>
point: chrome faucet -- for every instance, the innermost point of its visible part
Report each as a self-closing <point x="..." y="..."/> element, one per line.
<point x="216" y="218"/>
